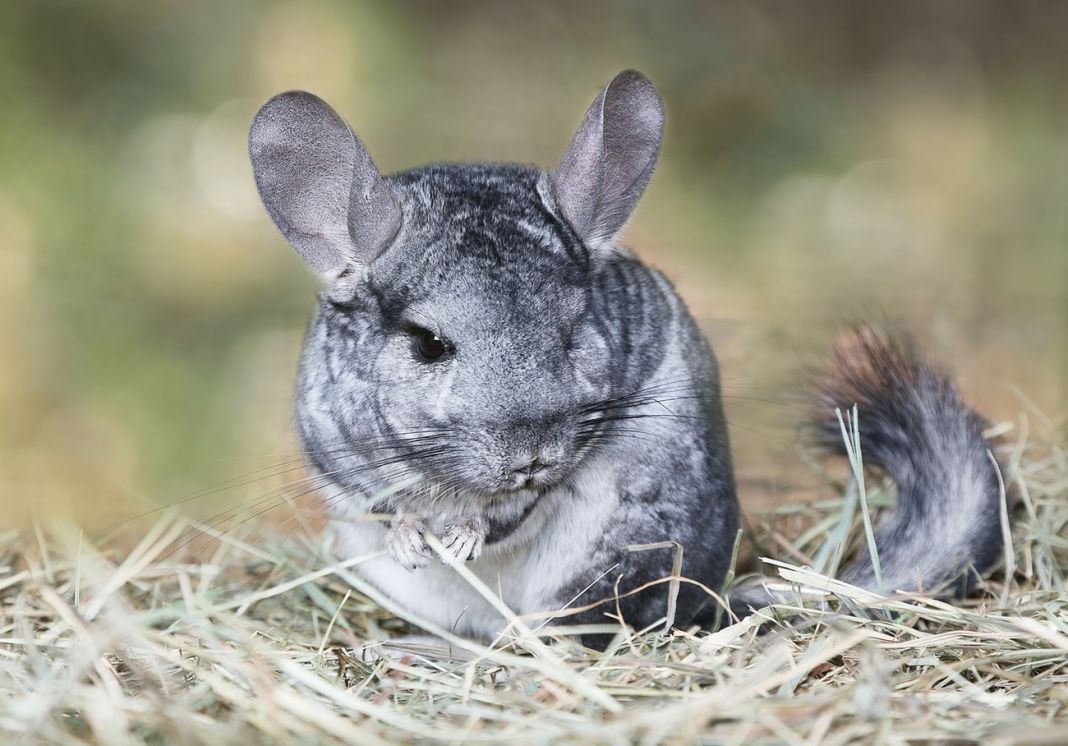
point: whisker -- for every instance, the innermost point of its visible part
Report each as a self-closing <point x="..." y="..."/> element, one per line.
<point x="291" y="464"/>
<point x="316" y="481"/>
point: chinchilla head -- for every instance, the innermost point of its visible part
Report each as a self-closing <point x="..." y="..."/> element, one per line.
<point x="468" y="317"/>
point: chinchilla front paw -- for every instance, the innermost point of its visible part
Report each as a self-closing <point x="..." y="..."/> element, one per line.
<point x="463" y="540"/>
<point x="405" y="543"/>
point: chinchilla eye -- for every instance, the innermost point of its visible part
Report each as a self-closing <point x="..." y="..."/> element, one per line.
<point x="428" y="345"/>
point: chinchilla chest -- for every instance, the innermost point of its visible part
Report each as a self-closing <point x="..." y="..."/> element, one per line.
<point x="529" y="570"/>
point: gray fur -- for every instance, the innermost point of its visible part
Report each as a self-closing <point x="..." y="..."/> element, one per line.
<point x="946" y="526"/>
<point x="570" y="408"/>
<point x="945" y="531"/>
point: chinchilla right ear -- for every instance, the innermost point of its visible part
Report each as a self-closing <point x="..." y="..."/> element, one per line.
<point x="319" y="184"/>
<point x="610" y="159"/>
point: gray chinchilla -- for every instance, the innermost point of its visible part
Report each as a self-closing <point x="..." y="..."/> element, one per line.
<point x="488" y="365"/>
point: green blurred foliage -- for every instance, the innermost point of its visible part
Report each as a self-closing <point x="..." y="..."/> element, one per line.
<point x="822" y="160"/>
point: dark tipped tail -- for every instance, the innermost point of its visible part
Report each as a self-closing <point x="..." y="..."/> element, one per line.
<point x="945" y="531"/>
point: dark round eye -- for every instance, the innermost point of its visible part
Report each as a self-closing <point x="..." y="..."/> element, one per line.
<point x="428" y="345"/>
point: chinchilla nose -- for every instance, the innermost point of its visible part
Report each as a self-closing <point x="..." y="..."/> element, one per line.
<point x="536" y="471"/>
<point x="530" y="467"/>
<point x="536" y="451"/>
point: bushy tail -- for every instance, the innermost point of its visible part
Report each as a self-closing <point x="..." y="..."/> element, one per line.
<point x="945" y="530"/>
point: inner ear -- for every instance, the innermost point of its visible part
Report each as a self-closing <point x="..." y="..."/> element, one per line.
<point x="319" y="184"/>
<point x="610" y="159"/>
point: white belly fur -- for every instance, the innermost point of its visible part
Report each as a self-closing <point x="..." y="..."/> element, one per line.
<point x="527" y="569"/>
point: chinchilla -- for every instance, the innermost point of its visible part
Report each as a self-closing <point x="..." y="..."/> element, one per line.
<point x="490" y="366"/>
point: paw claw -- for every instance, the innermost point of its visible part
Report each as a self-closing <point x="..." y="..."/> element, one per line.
<point x="464" y="540"/>
<point x="406" y="545"/>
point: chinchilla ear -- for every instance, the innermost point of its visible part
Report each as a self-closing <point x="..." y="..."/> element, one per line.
<point x="610" y="159"/>
<point x="319" y="184"/>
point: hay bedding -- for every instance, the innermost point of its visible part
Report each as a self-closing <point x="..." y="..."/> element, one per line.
<point x="253" y="639"/>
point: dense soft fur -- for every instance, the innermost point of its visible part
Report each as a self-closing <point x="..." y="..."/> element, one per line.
<point x="575" y="411"/>
<point x="944" y="533"/>
<point x="945" y="530"/>
<point x="592" y="363"/>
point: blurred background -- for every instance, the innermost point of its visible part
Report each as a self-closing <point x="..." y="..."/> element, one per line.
<point x="826" y="161"/>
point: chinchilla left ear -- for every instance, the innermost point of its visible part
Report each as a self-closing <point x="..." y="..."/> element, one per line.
<point x="319" y="184"/>
<point x="610" y="159"/>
